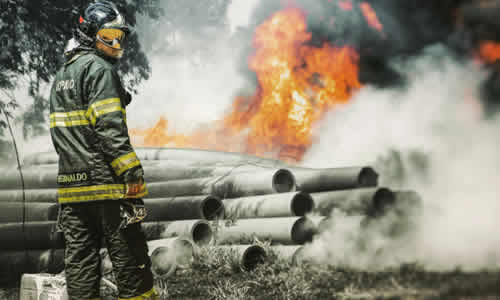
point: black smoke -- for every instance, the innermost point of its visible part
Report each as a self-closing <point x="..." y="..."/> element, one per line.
<point x="409" y="27"/>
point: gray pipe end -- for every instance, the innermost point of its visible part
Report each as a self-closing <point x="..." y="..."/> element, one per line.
<point x="166" y="259"/>
<point x="284" y="181"/>
<point x="253" y="256"/>
<point x="367" y="177"/>
<point x="212" y="208"/>
<point x="202" y="233"/>
<point x="383" y="199"/>
<point x="302" y="204"/>
<point x="303" y="230"/>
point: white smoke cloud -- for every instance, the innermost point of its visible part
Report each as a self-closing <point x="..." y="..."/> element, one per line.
<point x="437" y="114"/>
<point x="239" y="13"/>
<point x="194" y="77"/>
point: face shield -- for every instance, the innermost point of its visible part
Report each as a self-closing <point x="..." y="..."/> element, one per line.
<point x="110" y="41"/>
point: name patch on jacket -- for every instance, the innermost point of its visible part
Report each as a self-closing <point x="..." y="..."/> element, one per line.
<point x="76" y="177"/>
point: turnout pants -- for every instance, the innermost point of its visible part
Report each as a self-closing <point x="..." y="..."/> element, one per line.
<point x="85" y="225"/>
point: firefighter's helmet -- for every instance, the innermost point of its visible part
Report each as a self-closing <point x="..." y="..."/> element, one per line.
<point x="103" y="27"/>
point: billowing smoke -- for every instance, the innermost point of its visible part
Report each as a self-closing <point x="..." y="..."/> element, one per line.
<point x="438" y="115"/>
<point x="195" y="74"/>
<point x="424" y="118"/>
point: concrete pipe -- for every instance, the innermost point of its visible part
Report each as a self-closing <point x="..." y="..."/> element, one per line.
<point x="291" y="253"/>
<point x="179" y="188"/>
<point x="184" y="208"/>
<point x="168" y="255"/>
<point x="41" y="158"/>
<point x="231" y="186"/>
<point x="34" y="178"/>
<point x="17" y="262"/>
<point x="368" y="201"/>
<point x="198" y="231"/>
<point x="255" y="183"/>
<point x="203" y="156"/>
<point x="32" y="195"/>
<point x="34" y="235"/>
<point x="155" y="171"/>
<point x="41" y="177"/>
<point x="324" y="224"/>
<point x="319" y="180"/>
<point x="12" y="212"/>
<point x="272" y="205"/>
<point x="288" y="231"/>
<point x="247" y="257"/>
<point x="172" y="154"/>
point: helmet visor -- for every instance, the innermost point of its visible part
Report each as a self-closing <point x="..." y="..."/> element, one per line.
<point x="112" y="37"/>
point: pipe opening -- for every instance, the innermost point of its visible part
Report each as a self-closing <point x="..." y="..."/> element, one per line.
<point x="283" y="181"/>
<point x="303" y="230"/>
<point x="202" y="234"/>
<point x="368" y="177"/>
<point x="166" y="259"/>
<point x="383" y="199"/>
<point x="212" y="208"/>
<point x="252" y="256"/>
<point x="302" y="203"/>
<point x="162" y="264"/>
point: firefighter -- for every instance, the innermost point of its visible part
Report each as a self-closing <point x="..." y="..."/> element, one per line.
<point x="100" y="179"/>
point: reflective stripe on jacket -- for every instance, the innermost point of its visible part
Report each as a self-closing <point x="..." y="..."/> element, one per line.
<point x="89" y="131"/>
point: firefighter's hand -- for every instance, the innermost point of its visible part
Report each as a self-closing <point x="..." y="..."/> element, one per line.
<point x="134" y="188"/>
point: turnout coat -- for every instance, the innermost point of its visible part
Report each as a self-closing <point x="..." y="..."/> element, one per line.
<point x="89" y="131"/>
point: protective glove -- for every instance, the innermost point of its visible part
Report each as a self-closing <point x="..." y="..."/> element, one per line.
<point x="133" y="188"/>
<point x="132" y="211"/>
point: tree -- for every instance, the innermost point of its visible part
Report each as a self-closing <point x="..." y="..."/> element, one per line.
<point x="33" y="35"/>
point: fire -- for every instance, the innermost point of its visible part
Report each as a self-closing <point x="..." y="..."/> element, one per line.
<point x="371" y="16"/>
<point x="489" y="51"/>
<point x="298" y="84"/>
<point x="345" y="4"/>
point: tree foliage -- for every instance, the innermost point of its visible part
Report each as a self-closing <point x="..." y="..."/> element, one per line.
<point x="33" y="35"/>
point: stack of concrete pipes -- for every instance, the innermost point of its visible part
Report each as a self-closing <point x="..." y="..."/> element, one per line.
<point x="196" y="199"/>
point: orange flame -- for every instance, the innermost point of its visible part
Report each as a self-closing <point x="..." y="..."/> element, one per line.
<point x="489" y="51"/>
<point x="298" y="84"/>
<point x="371" y="16"/>
<point x="345" y="4"/>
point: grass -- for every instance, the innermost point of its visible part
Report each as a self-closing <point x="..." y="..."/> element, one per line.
<point x="214" y="276"/>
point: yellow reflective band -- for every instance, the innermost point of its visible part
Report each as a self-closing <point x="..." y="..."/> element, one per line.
<point x="91" y="193"/>
<point x="104" y="102"/>
<point x="67" y="114"/>
<point x="149" y="295"/>
<point x="91" y="188"/>
<point x="68" y="123"/>
<point x="68" y="119"/>
<point x="97" y="192"/>
<point x="85" y="198"/>
<point x="125" y="162"/>
<point x="96" y="110"/>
